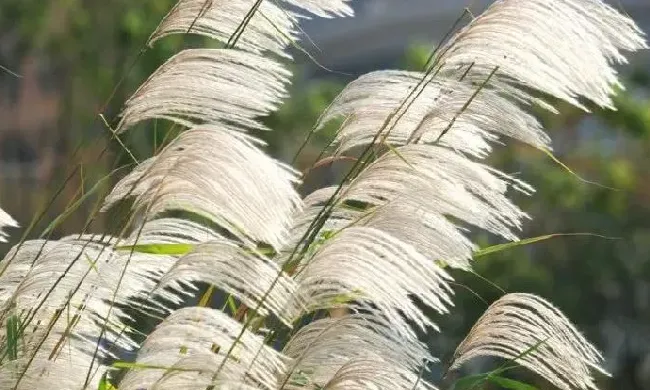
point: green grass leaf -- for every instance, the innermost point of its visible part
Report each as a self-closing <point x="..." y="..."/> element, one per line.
<point x="471" y="382"/>
<point x="231" y="304"/>
<point x="347" y="298"/>
<point x="574" y="174"/>
<point x="159" y="249"/>
<point x="140" y="366"/>
<point x="13" y="336"/>
<point x="104" y="384"/>
<point x="510" y="384"/>
<point x="502" y="247"/>
<point x="206" y="297"/>
<point x="178" y="249"/>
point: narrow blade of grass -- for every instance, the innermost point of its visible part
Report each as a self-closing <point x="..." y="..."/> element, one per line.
<point x="63" y="216"/>
<point x="140" y="366"/>
<point x="510" y="384"/>
<point x="159" y="249"/>
<point x="206" y="297"/>
<point x="13" y="337"/>
<point x="470" y="382"/>
<point x="501" y="247"/>
<point x="104" y="384"/>
<point x="573" y="173"/>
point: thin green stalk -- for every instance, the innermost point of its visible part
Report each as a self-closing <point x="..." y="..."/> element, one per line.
<point x="467" y="103"/>
<point x="128" y="262"/>
<point x="232" y="41"/>
<point x="204" y="8"/>
<point x="430" y="63"/>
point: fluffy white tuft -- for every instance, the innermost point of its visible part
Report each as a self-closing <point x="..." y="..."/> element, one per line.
<point x="362" y="267"/>
<point x="188" y="350"/>
<point x="535" y="333"/>
<point x="200" y="86"/>
<point x="219" y="174"/>
<point x="564" y="48"/>
<point x="5" y="221"/>
<point x="325" y="350"/>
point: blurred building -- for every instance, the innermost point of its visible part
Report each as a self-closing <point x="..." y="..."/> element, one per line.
<point x="30" y="109"/>
<point x="381" y="30"/>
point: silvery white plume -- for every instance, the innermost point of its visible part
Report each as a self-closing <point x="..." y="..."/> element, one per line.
<point x="373" y="269"/>
<point x="564" y="48"/>
<point x="271" y="28"/>
<point x="364" y="374"/>
<point x="219" y="174"/>
<point x="404" y="218"/>
<point x="323" y="348"/>
<point x="411" y="191"/>
<point x="5" y="221"/>
<point x="67" y="297"/>
<point x="444" y="182"/>
<point x="196" y="347"/>
<point x="46" y="357"/>
<point x="144" y="264"/>
<point x="244" y="273"/>
<point x="535" y="333"/>
<point x="267" y="25"/>
<point x="213" y="86"/>
<point x="59" y="294"/>
<point x="386" y="101"/>
<point x="169" y="230"/>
